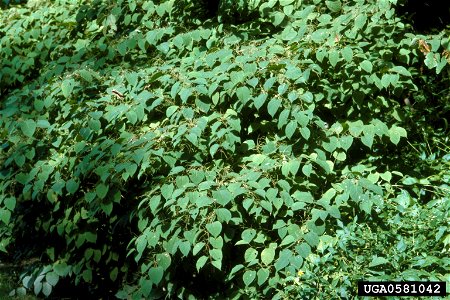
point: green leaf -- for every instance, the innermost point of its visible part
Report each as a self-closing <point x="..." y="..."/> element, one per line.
<point x="373" y="177"/>
<point x="185" y="94"/>
<point x="367" y="139"/>
<point x="386" y="176"/>
<point x="216" y="254"/>
<point x="196" y="176"/>
<point x="290" y="129"/>
<point x="284" y="259"/>
<point x="385" y="80"/>
<point x="441" y="64"/>
<point x="282" y="88"/>
<point x="312" y="238"/>
<point x="289" y="239"/>
<point x="243" y="94"/>
<point x="171" y="110"/>
<point x="20" y="160"/>
<point x="28" y="127"/>
<point x="163" y="260"/>
<point x="366" y="66"/>
<point x="345" y="142"/>
<point x="201" y="262"/>
<point x="122" y="294"/>
<point x="401" y="70"/>
<point x="107" y="207"/>
<point x="248" y="235"/>
<point x="94" y="125"/>
<point x="67" y="87"/>
<point x="250" y="70"/>
<point x="154" y="203"/>
<point x="366" y="204"/>
<point x="250" y="255"/>
<point x="267" y="256"/>
<point x="167" y="191"/>
<point x="302" y="118"/>
<point x="223" y="197"/>
<point x="273" y="105"/>
<point x="259" y="101"/>
<point x="285" y="169"/>
<point x="235" y="269"/>
<point x="178" y="42"/>
<point x="26" y="281"/>
<point x="237" y="77"/>
<point x="223" y="215"/>
<point x="199" y="246"/>
<point x="46" y="289"/>
<point x="303" y="249"/>
<point x="360" y="21"/>
<point x="214" y="228"/>
<point x="277" y="18"/>
<point x="286" y="2"/>
<point x="430" y="60"/>
<point x="52" y="278"/>
<point x="271" y="193"/>
<point x="262" y="275"/>
<point x="185" y="247"/>
<point x="217" y="264"/>
<point x="173" y="93"/>
<point x="269" y="83"/>
<point x="248" y="277"/>
<point x="294" y="166"/>
<point x="277" y="203"/>
<point x="409" y="181"/>
<point x="355" y="128"/>
<point x="61" y="269"/>
<point x="393" y="79"/>
<point x="347" y="53"/>
<point x="113" y="274"/>
<point x="213" y="149"/>
<point x="292" y="72"/>
<point x="5" y="215"/>
<point x="203" y="201"/>
<point x="10" y="203"/>
<point x="72" y="186"/>
<point x="141" y="244"/>
<point x="333" y="56"/>
<point x="86" y="75"/>
<point x="305" y="132"/>
<point x="266" y="205"/>
<point x="156" y="274"/>
<point x="395" y="133"/>
<point x="216" y="242"/>
<point x="101" y="190"/>
<point x="307" y="170"/>
<point x="376" y="261"/>
<point x="87" y="275"/>
<point x="320" y="53"/>
<point x="334" y="6"/>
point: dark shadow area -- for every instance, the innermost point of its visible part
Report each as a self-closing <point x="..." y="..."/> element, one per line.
<point x="212" y="7"/>
<point x="426" y="16"/>
<point x="8" y="3"/>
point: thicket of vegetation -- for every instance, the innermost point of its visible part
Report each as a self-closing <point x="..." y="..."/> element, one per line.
<point x="243" y="149"/>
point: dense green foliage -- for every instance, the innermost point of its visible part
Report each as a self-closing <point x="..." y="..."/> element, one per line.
<point x="263" y="150"/>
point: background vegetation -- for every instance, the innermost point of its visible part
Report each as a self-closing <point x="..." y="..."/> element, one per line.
<point x="237" y="149"/>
